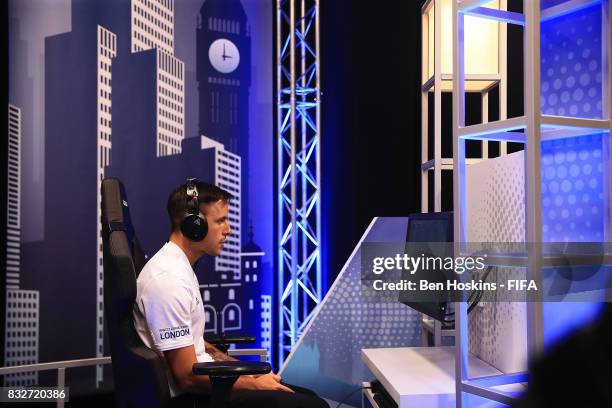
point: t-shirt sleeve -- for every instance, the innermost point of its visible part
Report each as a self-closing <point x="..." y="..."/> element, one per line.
<point x="167" y="308"/>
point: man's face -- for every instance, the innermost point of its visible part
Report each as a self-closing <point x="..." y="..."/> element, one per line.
<point x="218" y="227"/>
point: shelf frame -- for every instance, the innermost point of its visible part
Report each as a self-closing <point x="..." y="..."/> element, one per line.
<point x="437" y="84"/>
<point x="434" y="84"/>
<point x="529" y="129"/>
<point x="551" y="127"/>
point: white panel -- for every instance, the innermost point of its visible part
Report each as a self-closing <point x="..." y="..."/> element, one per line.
<point x="495" y="196"/>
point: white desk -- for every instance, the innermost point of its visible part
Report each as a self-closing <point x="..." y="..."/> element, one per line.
<point x="420" y="376"/>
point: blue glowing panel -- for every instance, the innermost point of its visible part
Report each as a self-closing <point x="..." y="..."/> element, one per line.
<point x="571" y="64"/>
<point x="572" y="190"/>
<point x="572" y="211"/>
<point x="563" y="318"/>
<point x="544" y="4"/>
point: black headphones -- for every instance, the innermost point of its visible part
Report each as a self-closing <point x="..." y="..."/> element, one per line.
<point x="193" y="225"/>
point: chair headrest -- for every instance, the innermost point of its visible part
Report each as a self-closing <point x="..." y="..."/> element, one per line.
<point x="115" y="211"/>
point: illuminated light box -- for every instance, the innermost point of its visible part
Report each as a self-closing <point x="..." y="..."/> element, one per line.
<point x="484" y="46"/>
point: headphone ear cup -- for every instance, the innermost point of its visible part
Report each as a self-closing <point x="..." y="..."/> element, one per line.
<point x="194" y="227"/>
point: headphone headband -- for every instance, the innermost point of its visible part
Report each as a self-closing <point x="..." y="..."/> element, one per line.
<point x="192" y="196"/>
<point x="194" y="225"/>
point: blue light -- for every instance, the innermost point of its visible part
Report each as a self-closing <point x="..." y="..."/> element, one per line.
<point x="545" y="4"/>
<point x="572" y="211"/>
<point x="573" y="189"/>
<point x="573" y="206"/>
<point x="571" y="65"/>
<point x="298" y="206"/>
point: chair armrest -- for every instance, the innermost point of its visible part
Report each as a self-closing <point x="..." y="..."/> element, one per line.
<point x="225" y="339"/>
<point x="262" y="353"/>
<point x="230" y="368"/>
<point x="223" y="375"/>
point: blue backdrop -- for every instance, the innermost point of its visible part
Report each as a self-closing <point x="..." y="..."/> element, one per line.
<point x="152" y="92"/>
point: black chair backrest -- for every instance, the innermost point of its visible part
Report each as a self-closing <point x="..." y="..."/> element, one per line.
<point x="139" y="372"/>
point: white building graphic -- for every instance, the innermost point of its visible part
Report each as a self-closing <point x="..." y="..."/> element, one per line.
<point x="266" y="324"/>
<point x="170" y="104"/>
<point x="153" y="25"/>
<point x="106" y="50"/>
<point x="153" y="28"/>
<point x="21" y="332"/>
<point x="21" y="340"/>
<point x="227" y="176"/>
<point x="13" y="227"/>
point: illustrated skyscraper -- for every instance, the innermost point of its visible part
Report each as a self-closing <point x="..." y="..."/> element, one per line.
<point x="227" y="176"/>
<point x="150" y="68"/>
<point x="78" y="139"/>
<point x="266" y="324"/>
<point x="251" y="259"/>
<point x="90" y="75"/>
<point x="223" y="71"/>
<point x="21" y="332"/>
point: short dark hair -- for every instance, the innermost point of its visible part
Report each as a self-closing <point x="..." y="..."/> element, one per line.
<point x="177" y="202"/>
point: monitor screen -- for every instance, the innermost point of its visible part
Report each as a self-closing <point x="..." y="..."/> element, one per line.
<point x="432" y="230"/>
<point x="425" y="228"/>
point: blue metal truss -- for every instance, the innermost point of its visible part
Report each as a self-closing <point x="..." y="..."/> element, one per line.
<point x="298" y="163"/>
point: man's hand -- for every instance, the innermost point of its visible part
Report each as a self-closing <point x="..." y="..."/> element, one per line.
<point x="217" y="354"/>
<point x="181" y="360"/>
<point x="269" y="381"/>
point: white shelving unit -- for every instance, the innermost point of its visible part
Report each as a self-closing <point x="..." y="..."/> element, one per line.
<point x="530" y="129"/>
<point x="486" y="71"/>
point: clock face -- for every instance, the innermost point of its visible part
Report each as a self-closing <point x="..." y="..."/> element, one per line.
<point x="224" y="55"/>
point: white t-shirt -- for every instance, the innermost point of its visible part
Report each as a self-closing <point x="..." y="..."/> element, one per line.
<point x="168" y="313"/>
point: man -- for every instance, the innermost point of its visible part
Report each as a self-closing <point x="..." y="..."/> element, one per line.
<point x="169" y="313"/>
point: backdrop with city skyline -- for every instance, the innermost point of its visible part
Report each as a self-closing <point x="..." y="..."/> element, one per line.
<point x="152" y="92"/>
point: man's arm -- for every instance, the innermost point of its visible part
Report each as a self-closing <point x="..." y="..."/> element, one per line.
<point x="181" y="360"/>
<point x="217" y="354"/>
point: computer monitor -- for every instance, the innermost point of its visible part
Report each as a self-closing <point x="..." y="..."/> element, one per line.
<point x="425" y="228"/>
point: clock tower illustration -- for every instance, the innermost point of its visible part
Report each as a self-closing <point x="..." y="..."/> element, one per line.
<point x="223" y="72"/>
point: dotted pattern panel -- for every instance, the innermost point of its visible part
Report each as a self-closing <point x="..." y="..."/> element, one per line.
<point x="354" y="317"/>
<point x="495" y="213"/>
<point x="496" y="195"/>
<point x="497" y="330"/>
<point x="572" y="190"/>
<point x="571" y="65"/>
<point x="572" y="210"/>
